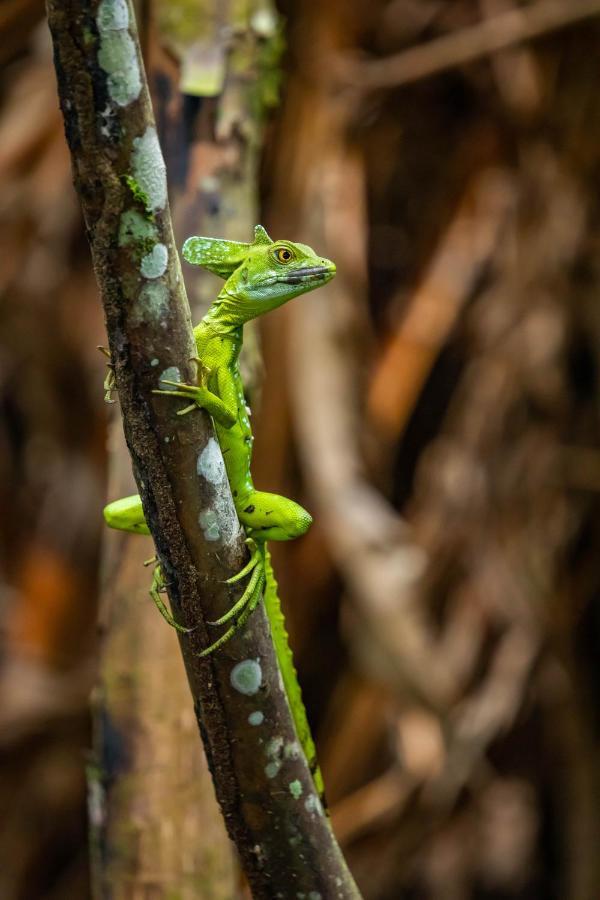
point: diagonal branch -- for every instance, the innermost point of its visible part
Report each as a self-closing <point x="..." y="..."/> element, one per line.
<point x="261" y="778"/>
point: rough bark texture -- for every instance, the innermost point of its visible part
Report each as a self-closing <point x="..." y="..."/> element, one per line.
<point x="156" y="824"/>
<point x="261" y="779"/>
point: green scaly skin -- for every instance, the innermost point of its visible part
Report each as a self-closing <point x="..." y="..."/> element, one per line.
<point x="258" y="277"/>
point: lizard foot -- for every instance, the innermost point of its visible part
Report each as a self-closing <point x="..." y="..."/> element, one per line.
<point x="109" y="381"/>
<point x="189" y="391"/>
<point x="243" y="608"/>
<point x="157" y="588"/>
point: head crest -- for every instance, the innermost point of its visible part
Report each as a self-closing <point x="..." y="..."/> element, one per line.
<point x="219" y="256"/>
<point x="261" y="236"/>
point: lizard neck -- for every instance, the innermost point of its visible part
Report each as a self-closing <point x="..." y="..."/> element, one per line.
<point x="231" y="311"/>
<point x="220" y="321"/>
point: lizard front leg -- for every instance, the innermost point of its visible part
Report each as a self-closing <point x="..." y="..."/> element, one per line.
<point x="222" y="408"/>
<point x="202" y="398"/>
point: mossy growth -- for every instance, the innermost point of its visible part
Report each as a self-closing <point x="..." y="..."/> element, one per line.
<point x="139" y="195"/>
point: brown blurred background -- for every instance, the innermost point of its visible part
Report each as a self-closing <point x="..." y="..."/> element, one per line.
<point x="436" y="407"/>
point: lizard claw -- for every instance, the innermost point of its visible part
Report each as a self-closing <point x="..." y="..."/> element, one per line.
<point x="157" y="588"/>
<point x="253" y="561"/>
<point x="182" y="387"/>
<point x="109" y="381"/>
<point x="246" y="597"/>
<point x="243" y="607"/>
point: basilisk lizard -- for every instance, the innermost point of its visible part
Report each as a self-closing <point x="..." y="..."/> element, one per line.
<point x="258" y="277"/>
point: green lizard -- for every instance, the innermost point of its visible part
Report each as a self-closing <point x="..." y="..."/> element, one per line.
<point x="258" y="277"/>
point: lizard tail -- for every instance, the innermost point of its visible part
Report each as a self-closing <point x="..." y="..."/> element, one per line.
<point x="289" y="675"/>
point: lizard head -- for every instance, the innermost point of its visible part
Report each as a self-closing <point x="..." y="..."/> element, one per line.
<point x="259" y="276"/>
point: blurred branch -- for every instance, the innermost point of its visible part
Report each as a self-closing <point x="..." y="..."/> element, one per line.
<point x="382" y="564"/>
<point x="17" y="17"/>
<point x="459" y="262"/>
<point x="516" y="70"/>
<point x="466" y="45"/>
<point x="281" y="833"/>
<point x="468" y="731"/>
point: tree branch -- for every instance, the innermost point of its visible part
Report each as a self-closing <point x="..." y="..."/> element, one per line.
<point x="261" y="779"/>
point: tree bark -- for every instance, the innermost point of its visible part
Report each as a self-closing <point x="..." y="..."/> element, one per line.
<point x="149" y="784"/>
<point x="261" y="779"/>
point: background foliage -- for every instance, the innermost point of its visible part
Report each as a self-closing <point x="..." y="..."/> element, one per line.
<point x="436" y="407"/>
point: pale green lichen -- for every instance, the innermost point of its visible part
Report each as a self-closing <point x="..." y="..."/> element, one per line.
<point x="272" y="768"/>
<point x="274" y="747"/>
<point x="312" y="804"/>
<point x="230" y="524"/>
<point x="209" y="524"/>
<point x="170" y="374"/>
<point x="274" y="751"/>
<point x="210" y="463"/>
<point x="155" y="361"/>
<point x="152" y="302"/>
<point x="154" y="264"/>
<point x="137" y="232"/>
<point x="292" y="750"/>
<point x="149" y="170"/>
<point x="246" y="677"/>
<point x="117" y="55"/>
<point x="210" y="466"/>
<point x="113" y="15"/>
<point x="295" y="789"/>
<point x="256" y="718"/>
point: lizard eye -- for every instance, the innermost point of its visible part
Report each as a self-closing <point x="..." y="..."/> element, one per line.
<point x="283" y="255"/>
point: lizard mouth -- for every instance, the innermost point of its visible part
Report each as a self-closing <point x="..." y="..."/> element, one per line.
<point x="318" y="273"/>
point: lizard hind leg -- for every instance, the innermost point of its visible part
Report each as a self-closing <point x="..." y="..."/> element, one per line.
<point x="245" y="599"/>
<point x="257" y="555"/>
<point x="156" y="589"/>
<point x="245" y="606"/>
